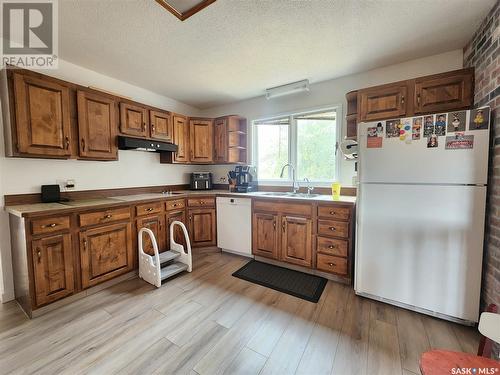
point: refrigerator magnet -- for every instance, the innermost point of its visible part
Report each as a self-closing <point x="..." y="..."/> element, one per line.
<point x="459" y="141"/>
<point x="374" y="137"/>
<point x="432" y="141"/>
<point x="428" y="126"/>
<point x="416" y="128"/>
<point x="479" y="118"/>
<point x="440" y="125"/>
<point x="392" y="128"/>
<point x="456" y="121"/>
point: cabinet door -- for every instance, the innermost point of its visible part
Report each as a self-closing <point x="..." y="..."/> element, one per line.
<point x="97" y="126"/>
<point x="52" y="268"/>
<point x="202" y="227"/>
<point x="265" y="235"/>
<point x="296" y="240"/>
<point x="178" y="233"/>
<point x="383" y="102"/>
<point x="220" y="141"/>
<point x="444" y="92"/>
<point x="133" y="120"/>
<point x="181" y="139"/>
<point x="161" y="125"/>
<point x="157" y="224"/>
<point x="201" y="141"/>
<point x="105" y="252"/>
<point x="42" y="117"/>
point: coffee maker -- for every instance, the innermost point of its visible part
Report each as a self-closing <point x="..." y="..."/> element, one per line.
<point x="244" y="178"/>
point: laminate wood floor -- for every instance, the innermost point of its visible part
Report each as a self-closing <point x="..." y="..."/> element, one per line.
<point x="208" y="322"/>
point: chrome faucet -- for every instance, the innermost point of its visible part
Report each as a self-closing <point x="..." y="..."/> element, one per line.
<point x="295" y="184"/>
<point x="310" y="188"/>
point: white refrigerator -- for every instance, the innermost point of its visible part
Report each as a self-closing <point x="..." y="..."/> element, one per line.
<point x="421" y="212"/>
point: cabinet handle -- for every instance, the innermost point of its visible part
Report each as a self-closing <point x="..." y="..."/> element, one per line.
<point x="333" y="228"/>
<point x="283" y="225"/>
<point x="190" y="218"/>
<point x="83" y="144"/>
<point x="52" y="225"/>
<point x="84" y="244"/>
<point x="175" y="205"/>
<point x="333" y="247"/>
<point x="67" y="143"/>
<point x="39" y="254"/>
<point x="149" y="209"/>
<point x="331" y="264"/>
<point x="152" y="128"/>
<point x="418" y="99"/>
<point x="402" y="99"/>
<point x="202" y="203"/>
<point x="143" y="126"/>
<point x="108" y="216"/>
<point x="274" y="225"/>
<point x="159" y="225"/>
<point x="333" y="212"/>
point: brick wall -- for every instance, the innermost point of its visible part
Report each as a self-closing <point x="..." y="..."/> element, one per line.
<point x="482" y="52"/>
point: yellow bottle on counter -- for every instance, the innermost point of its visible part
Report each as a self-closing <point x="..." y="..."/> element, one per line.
<point x="336" y="186"/>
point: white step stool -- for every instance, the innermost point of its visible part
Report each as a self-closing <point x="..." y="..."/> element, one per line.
<point x="174" y="261"/>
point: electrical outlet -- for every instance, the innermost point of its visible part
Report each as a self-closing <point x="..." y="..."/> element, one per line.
<point x="70" y="185"/>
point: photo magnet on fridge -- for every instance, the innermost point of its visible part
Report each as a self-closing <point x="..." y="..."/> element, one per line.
<point x="392" y="128"/>
<point x="375" y="136"/>
<point x="428" y="126"/>
<point x="440" y="125"/>
<point x="405" y="130"/>
<point x="479" y="118"/>
<point x="432" y="141"/>
<point x="459" y="141"/>
<point x="416" y="128"/>
<point x="456" y="121"/>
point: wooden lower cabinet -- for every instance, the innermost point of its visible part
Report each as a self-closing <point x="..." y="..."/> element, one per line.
<point x="296" y="240"/>
<point x="202" y="227"/>
<point x="52" y="268"/>
<point x="105" y="252"/>
<point x="156" y="224"/>
<point x="265" y="235"/>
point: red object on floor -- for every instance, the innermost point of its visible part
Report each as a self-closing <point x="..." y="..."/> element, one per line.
<point x="442" y="362"/>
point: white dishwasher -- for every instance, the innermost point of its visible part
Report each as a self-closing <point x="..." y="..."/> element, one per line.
<point x="234" y="225"/>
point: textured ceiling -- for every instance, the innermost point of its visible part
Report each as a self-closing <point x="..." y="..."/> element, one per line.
<point x="235" y="49"/>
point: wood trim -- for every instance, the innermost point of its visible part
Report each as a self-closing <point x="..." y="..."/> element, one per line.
<point x="190" y="12"/>
<point x="15" y="199"/>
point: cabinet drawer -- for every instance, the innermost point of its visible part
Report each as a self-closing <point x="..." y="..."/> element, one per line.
<point x="333" y="228"/>
<point x="149" y="208"/>
<point x="50" y="225"/>
<point x="176" y="204"/>
<point x="332" y="264"/>
<point x="332" y="246"/>
<point x="333" y="212"/>
<point x="104" y="217"/>
<point x="283" y="207"/>
<point x="201" y="202"/>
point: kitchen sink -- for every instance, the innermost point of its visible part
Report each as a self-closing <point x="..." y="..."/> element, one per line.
<point x="289" y="194"/>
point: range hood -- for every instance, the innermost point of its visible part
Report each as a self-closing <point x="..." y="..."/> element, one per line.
<point x="141" y="144"/>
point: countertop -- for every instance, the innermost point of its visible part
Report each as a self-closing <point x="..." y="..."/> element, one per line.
<point x="64" y="207"/>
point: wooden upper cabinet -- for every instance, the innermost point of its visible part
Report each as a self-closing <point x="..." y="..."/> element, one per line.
<point x="42" y="117"/>
<point x="443" y="92"/>
<point x="383" y="102"/>
<point x="202" y="227"/>
<point x="265" y="235"/>
<point x="105" y="252"/>
<point x="220" y="140"/>
<point x="96" y="126"/>
<point x="181" y="139"/>
<point x="296" y="240"/>
<point x="201" y="141"/>
<point x="52" y="268"/>
<point x="161" y="125"/>
<point x="134" y="120"/>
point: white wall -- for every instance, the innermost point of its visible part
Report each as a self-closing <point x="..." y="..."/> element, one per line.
<point x="134" y="168"/>
<point x="333" y="92"/>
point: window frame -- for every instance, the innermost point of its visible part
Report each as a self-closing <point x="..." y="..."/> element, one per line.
<point x="292" y="144"/>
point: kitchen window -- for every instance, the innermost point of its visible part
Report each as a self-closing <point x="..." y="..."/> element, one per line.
<point x="307" y="140"/>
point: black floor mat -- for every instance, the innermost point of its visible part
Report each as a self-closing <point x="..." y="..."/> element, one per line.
<point x="295" y="283"/>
